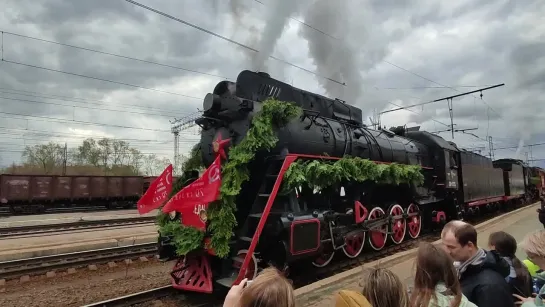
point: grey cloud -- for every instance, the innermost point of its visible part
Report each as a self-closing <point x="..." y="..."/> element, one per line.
<point x="372" y="31"/>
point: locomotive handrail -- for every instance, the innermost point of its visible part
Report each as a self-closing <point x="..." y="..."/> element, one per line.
<point x="285" y="165"/>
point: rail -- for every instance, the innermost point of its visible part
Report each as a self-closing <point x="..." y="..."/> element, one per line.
<point x="136" y="298"/>
<point x="40" y="265"/>
<point x="8" y="232"/>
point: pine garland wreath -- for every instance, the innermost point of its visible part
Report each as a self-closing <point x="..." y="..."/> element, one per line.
<point x="260" y="137"/>
<point x="322" y="174"/>
<point x="535" y="180"/>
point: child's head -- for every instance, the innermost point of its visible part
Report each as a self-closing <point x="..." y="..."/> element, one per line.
<point x="502" y="242"/>
<point x="383" y="288"/>
<point x="268" y="289"/>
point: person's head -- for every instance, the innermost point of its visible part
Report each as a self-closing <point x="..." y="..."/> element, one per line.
<point x="534" y="247"/>
<point x="504" y="243"/>
<point x="383" y="288"/>
<point x="433" y="265"/>
<point x="269" y="289"/>
<point x="459" y="240"/>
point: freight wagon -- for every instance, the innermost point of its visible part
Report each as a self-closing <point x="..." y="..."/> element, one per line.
<point x="39" y="193"/>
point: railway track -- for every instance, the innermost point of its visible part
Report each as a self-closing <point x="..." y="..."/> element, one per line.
<point x="9" y="232"/>
<point x="136" y="298"/>
<point x="161" y="293"/>
<point x="41" y="265"/>
<point x="5" y="212"/>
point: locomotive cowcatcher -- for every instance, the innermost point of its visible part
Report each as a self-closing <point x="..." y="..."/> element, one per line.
<point x="308" y="225"/>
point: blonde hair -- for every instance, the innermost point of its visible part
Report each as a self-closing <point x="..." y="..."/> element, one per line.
<point x="534" y="244"/>
<point x="383" y="288"/>
<point x="269" y="289"/>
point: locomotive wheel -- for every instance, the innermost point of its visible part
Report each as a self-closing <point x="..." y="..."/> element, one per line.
<point x="251" y="271"/>
<point x="398" y="224"/>
<point x="377" y="238"/>
<point x="325" y="258"/>
<point x="354" y="243"/>
<point x="414" y="223"/>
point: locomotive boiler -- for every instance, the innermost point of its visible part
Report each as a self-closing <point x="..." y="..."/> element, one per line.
<point x="310" y="225"/>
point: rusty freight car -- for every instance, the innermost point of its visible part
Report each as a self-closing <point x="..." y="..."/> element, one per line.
<point x="40" y="193"/>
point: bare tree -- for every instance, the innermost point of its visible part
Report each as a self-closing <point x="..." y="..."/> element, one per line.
<point x="105" y="156"/>
<point x="89" y="152"/>
<point x="46" y="156"/>
<point x="119" y="151"/>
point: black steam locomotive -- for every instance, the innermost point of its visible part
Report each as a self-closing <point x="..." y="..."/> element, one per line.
<point x="309" y="225"/>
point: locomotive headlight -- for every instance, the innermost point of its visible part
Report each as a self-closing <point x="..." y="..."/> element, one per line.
<point x="211" y="102"/>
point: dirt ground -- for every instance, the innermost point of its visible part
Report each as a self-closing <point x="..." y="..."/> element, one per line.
<point x="85" y="287"/>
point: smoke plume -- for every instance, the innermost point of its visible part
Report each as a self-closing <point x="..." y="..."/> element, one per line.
<point x="334" y="58"/>
<point x="521" y="143"/>
<point x="278" y="14"/>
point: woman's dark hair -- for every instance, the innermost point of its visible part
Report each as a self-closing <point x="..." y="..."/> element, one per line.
<point x="506" y="245"/>
<point x="433" y="265"/>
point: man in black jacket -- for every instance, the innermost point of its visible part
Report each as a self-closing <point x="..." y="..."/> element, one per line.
<point x="541" y="211"/>
<point x="482" y="273"/>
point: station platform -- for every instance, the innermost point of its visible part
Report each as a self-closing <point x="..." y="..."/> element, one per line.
<point x="56" y="218"/>
<point x="79" y="240"/>
<point x="321" y="294"/>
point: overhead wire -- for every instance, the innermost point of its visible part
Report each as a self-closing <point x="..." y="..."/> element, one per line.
<point x="35" y="135"/>
<point x="305" y="24"/>
<point x="47" y="118"/>
<point x="99" y="79"/>
<point x="83" y="107"/>
<point x="424" y="87"/>
<point x="229" y="40"/>
<point x="419" y="114"/>
<point x="116" y="55"/>
<point x="77" y="99"/>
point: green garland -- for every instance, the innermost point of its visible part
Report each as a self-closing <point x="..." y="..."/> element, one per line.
<point x="535" y="180"/>
<point x="261" y="136"/>
<point x="322" y="174"/>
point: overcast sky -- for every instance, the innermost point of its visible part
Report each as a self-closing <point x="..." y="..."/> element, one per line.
<point x="386" y="51"/>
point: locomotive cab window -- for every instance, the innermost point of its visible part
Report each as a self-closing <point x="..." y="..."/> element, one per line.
<point x="450" y="160"/>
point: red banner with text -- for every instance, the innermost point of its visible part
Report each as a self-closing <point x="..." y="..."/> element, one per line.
<point x="157" y="192"/>
<point x="192" y="201"/>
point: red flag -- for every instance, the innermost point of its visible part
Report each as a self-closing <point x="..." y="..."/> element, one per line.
<point x="157" y="192"/>
<point x="192" y="201"/>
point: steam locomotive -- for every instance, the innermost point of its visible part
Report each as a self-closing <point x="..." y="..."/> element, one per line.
<point x="312" y="226"/>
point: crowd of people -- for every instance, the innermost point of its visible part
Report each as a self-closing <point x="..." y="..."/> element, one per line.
<point x="458" y="273"/>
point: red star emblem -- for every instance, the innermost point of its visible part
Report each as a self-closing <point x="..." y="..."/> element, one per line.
<point x="218" y="146"/>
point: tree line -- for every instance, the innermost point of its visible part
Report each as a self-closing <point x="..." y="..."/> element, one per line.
<point x="109" y="157"/>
